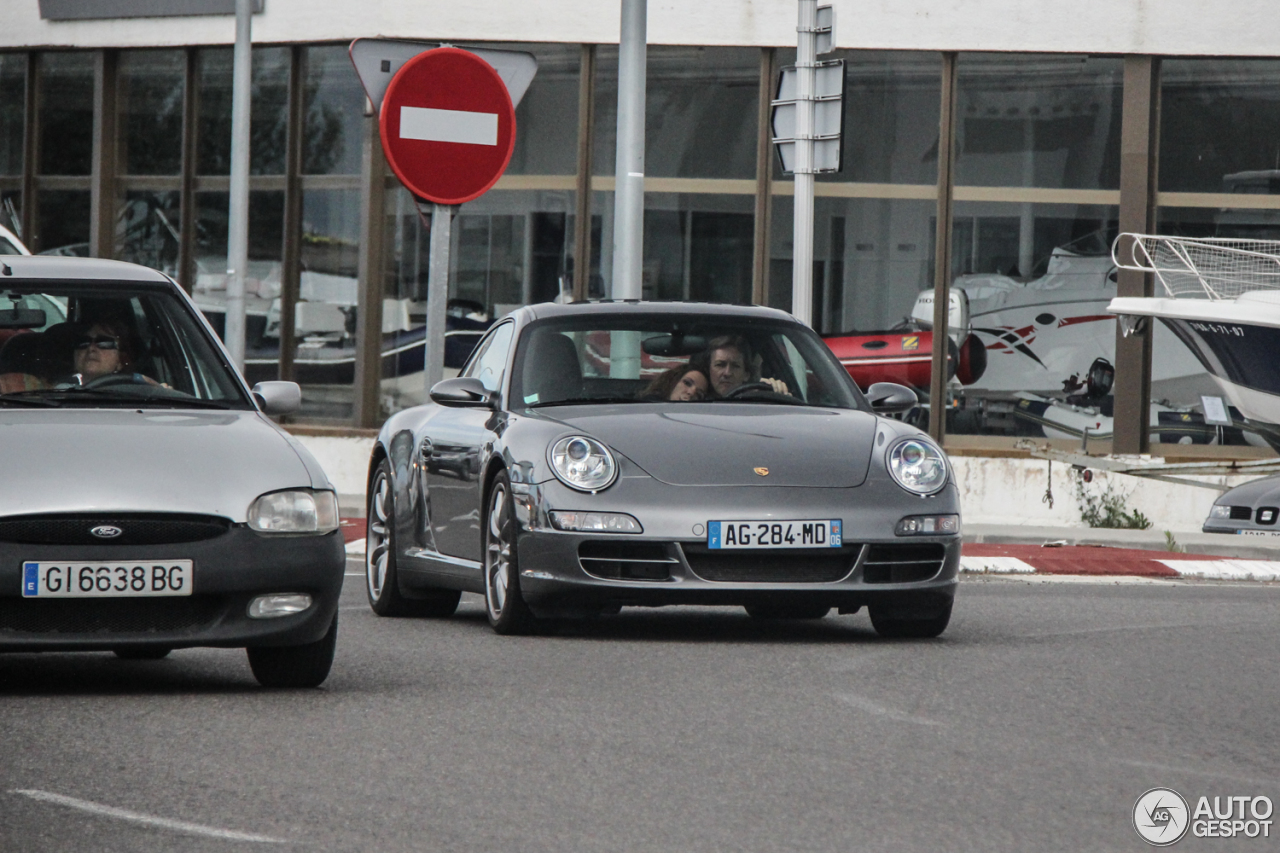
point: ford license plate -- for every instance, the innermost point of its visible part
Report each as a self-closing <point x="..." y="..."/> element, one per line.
<point x="107" y="580"/>
<point x="820" y="533"/>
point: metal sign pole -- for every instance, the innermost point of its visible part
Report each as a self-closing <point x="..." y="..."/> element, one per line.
<point x="238" y="214"/>
<point x="802" y="238"/>
<point x="437" y="292"/>
<point x="628" y="198"/>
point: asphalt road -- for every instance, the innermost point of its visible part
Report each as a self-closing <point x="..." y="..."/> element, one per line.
<point x="1034" y="723"/>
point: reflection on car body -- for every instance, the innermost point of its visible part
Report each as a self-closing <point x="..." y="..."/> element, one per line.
<point x="150" y="504"/>
<point x="545" y="478"/>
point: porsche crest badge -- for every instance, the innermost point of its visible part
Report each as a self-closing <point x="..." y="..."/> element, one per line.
<point x="763" y="472"/>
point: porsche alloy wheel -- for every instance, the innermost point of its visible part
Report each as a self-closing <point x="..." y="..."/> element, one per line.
<point x="508" y="614"/>
<point x="382" y="581"/>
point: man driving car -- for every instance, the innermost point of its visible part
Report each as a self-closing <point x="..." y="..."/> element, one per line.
<point x="732" y="366"/>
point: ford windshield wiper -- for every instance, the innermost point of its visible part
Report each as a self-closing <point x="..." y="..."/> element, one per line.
<point x="19" y="399"/>
<point x="151" y="395"/>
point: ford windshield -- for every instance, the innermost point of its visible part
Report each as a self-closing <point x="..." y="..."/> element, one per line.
<point x="108" y="344"/>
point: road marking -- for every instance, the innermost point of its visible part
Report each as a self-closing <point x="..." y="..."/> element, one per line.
<point x="146" y="819"/>
<point x="881" y="711"/>
<point x="461" y="126"/>
<point x="998" y="565"/>
<point x="1252" y="570"/>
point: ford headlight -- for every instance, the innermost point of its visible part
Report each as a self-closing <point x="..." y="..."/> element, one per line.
<point x="583" y="463"/>
<point x="918" y="466"/>
<point x="295" y="511"/>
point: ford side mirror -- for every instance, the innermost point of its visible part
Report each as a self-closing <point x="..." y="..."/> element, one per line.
<point x="464" y="392"/>
<point x="890" y="398"/>
<point x="278" y="398"/>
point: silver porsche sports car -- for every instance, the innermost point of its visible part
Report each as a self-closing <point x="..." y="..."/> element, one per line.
<point x="149" y="503"/>
<point x="594" y="456"/>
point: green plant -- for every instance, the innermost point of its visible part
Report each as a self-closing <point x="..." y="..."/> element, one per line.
<point x="1171" y="544"/>
<point x="1108" y="508"/>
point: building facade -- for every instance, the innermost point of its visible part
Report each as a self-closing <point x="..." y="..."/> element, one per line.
<point x="1068" y="122"/>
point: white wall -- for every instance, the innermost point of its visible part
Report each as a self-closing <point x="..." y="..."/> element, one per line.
<point x="1176" y="27"/>
<point x="1011" y="491"/>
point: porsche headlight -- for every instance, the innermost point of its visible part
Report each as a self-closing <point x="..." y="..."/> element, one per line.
<point x="918" y="466"/>
<point x="583" y="463"/>
<point x="295" y="511"/>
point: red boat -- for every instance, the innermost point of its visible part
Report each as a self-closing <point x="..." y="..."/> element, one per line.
<point x="904" y="357"/>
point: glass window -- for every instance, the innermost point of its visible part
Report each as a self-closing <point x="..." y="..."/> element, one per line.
<point x="1029" y="120"/>
<point x="62" y="222"/>
<point x="697" y="246"/>
<point x="700" y="113"/>
<point x="262" y="280"/>
<point x="547" y="116"/>
<point x="269" y="111"/>
<point x="334" y="118"/>
<point x="66" y="113"/>
<point x="13" y="99"/>
<point x="1219" y="120"/>
<point x="147" y="229"/>
<point x="150" y="97"/>
<point x="491" y="362"/>
<point x="871" y="259"/>
<point x="325" y="315"/>
<point x="891" y="102"/>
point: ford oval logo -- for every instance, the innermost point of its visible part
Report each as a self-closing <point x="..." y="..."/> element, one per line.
<point x="106" y="531"/>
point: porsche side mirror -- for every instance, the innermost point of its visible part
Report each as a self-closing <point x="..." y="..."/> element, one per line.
<point x="278" y="398"/>
<point x="889" y="398"/>
<point x="464" y="392"/>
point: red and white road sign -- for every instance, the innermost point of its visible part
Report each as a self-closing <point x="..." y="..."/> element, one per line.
<point x="448" y="126"/>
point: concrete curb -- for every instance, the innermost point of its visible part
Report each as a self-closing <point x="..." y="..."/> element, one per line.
<point x="1097" y="561"/>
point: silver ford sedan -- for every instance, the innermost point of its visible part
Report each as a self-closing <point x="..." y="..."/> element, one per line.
<point x="597" y="456"/>
<point x="150" y="504"/>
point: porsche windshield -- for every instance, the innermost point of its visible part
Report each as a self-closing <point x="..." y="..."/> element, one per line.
<point x="677" y="358"/>
<point x="107" y="344"/>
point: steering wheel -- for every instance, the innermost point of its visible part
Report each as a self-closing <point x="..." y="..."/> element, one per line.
<point x="110" y="379"/>
<point x="748" y="387"/>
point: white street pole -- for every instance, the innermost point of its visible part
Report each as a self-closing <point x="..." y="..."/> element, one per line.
<point x="437" y="293"/>
<point x="802" y="240"/>
<point x="628" y="197"/>
<point x="238" y="214"/>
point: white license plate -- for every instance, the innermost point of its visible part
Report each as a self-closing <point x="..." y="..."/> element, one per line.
<point x="107" y="580"/>
<point x="809" y="533"/>
<point x="1259" y="532"/>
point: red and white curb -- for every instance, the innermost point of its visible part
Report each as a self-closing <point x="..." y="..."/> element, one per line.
<point x="353" y="533"/>
<point x="1083" y="560"/>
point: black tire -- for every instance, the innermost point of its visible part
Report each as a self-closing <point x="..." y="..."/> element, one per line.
<point x="382" y="581"/>
<point x="141" y="652"/>
<point x="508" y="613"/>
<point x="787" y="611"/>
<point x="306" y="665"/>
<point x="898" y="625"/>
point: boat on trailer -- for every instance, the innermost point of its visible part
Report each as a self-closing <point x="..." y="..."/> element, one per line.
<point x="1221" y="298"/>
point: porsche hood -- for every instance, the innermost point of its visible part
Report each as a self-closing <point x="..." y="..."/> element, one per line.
<point x="735" y="444"/>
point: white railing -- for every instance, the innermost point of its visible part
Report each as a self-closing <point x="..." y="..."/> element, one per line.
<point x="1201" y="267"/>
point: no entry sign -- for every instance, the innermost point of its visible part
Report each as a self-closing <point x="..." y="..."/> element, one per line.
<point x="448" y="126"/>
